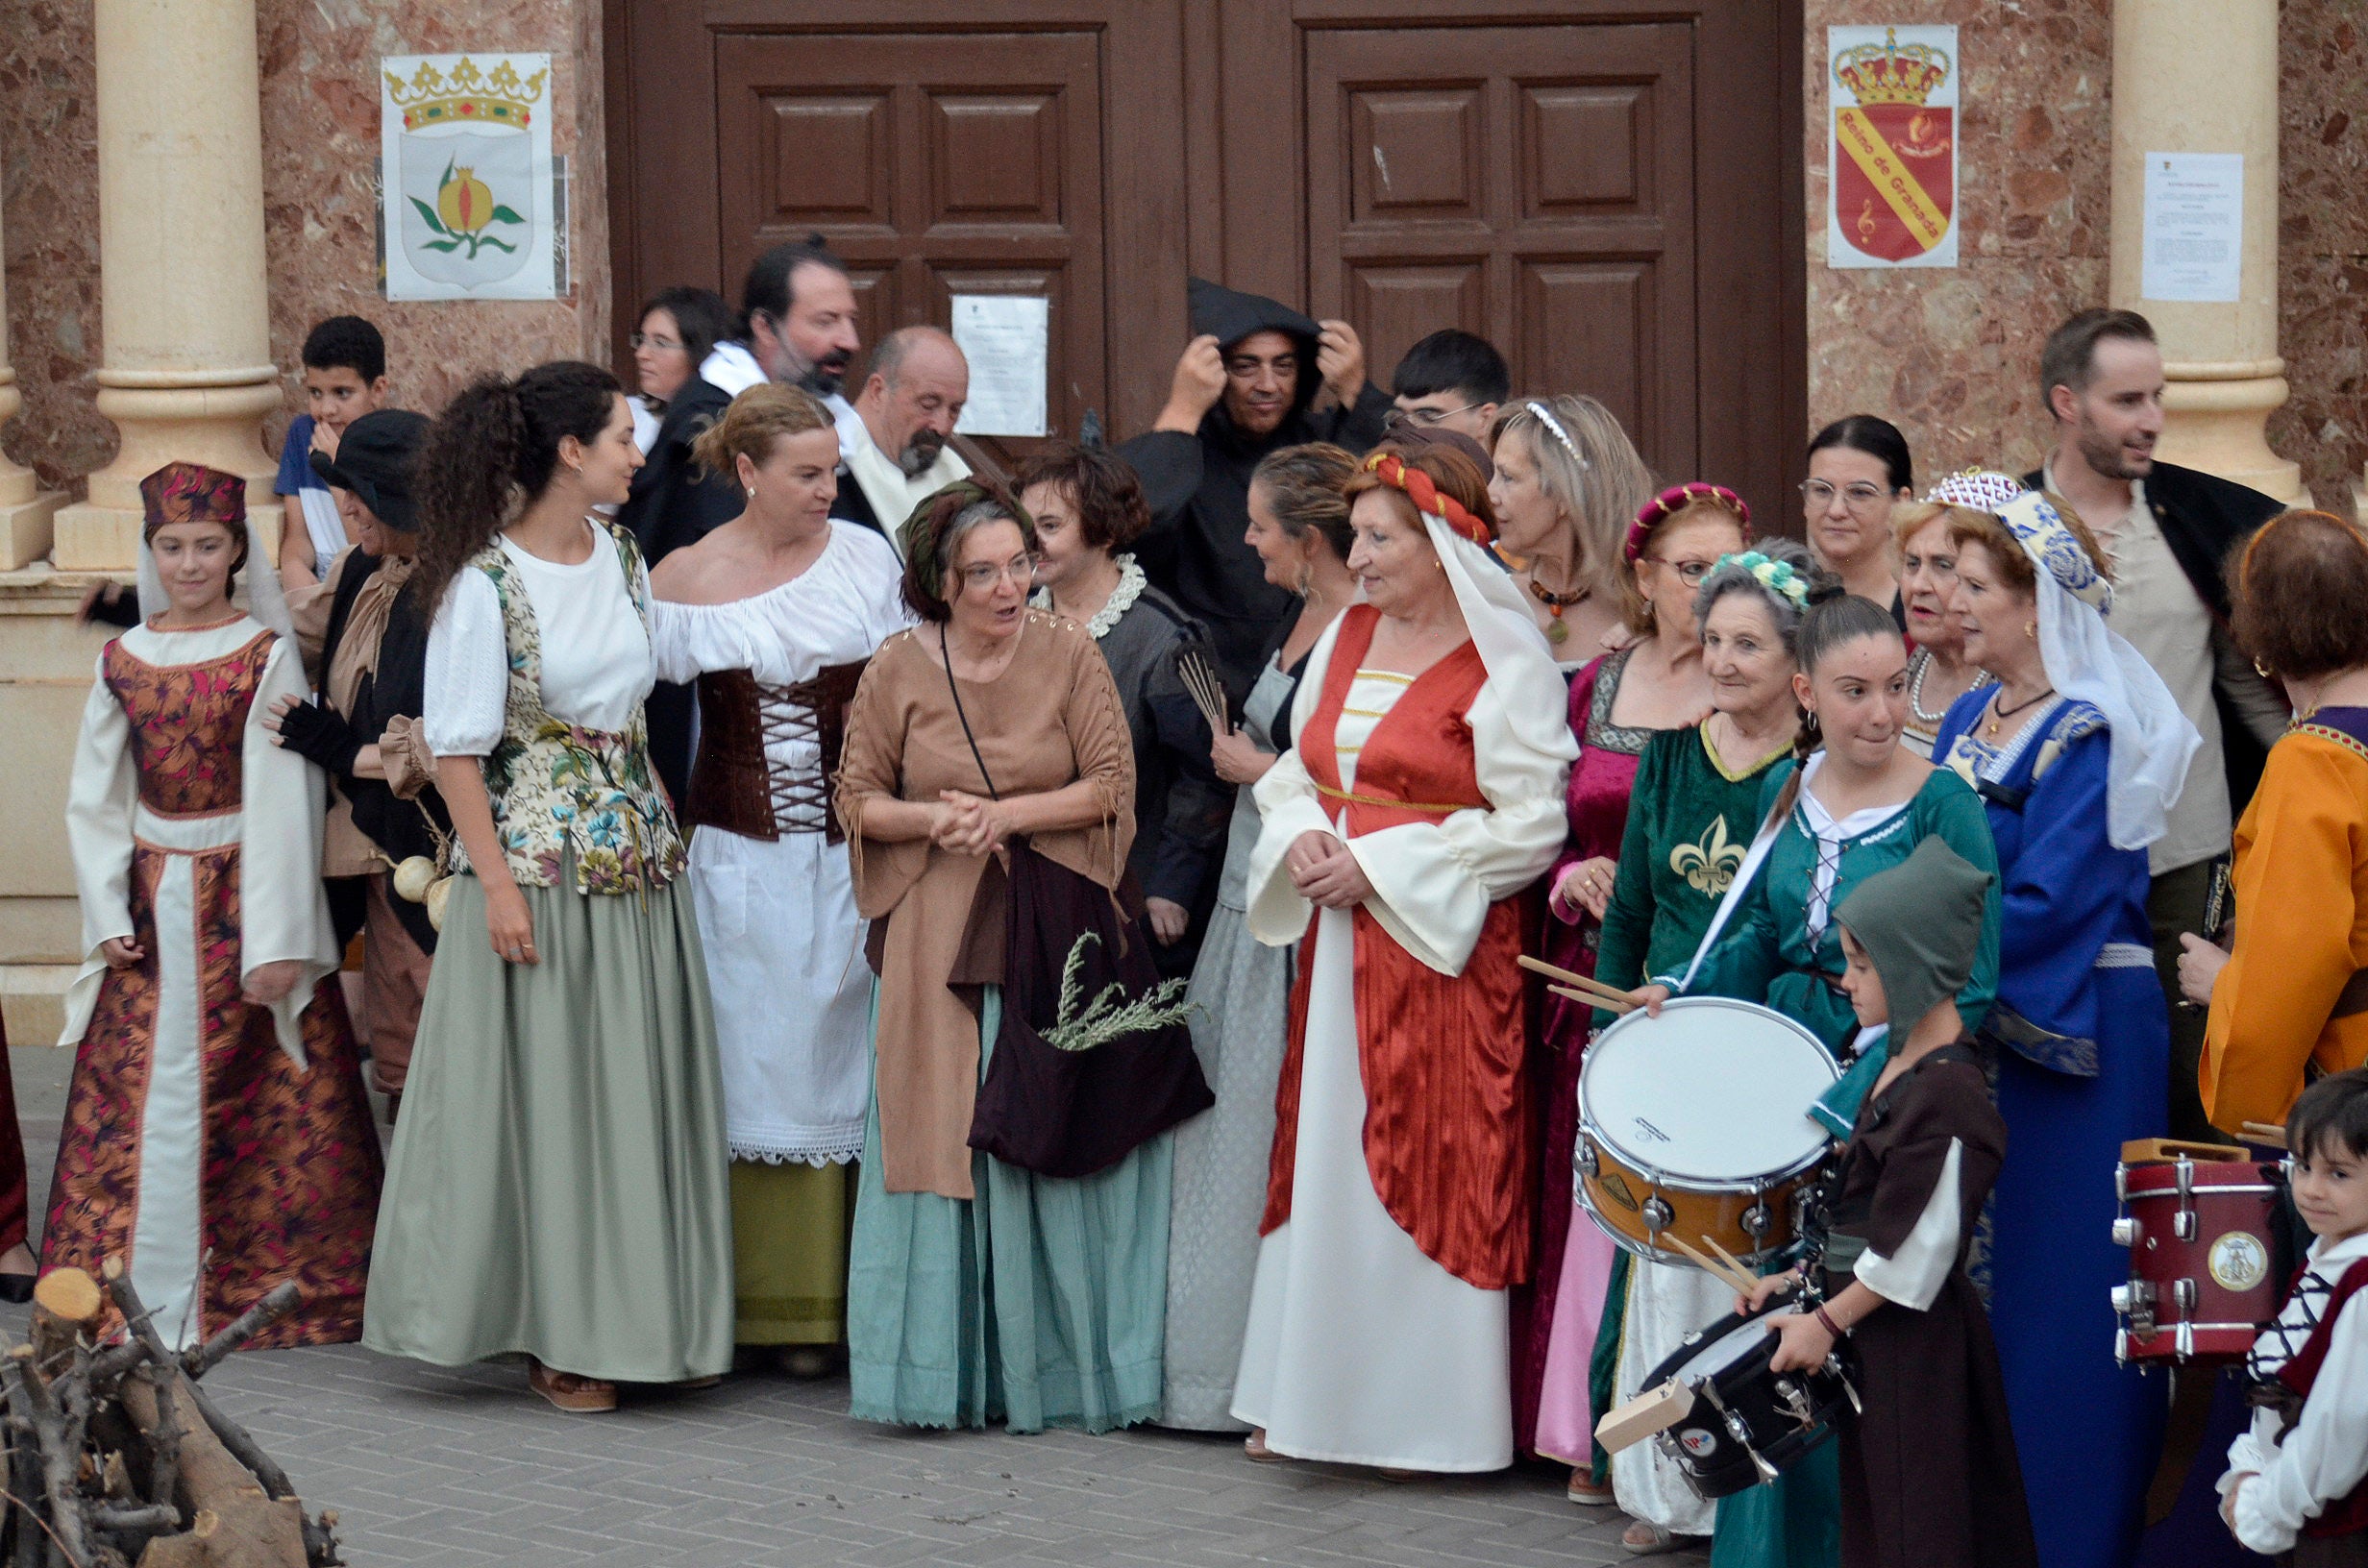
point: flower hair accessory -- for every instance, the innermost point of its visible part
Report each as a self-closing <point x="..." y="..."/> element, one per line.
<point x="1426" y="495"/>
<point x="1673" y="500"/>
<point x="1545" y="417"/>
<point x="1777" y="577"/>
<point x="2040" y="529"/>
<point x="1984" y="490"/>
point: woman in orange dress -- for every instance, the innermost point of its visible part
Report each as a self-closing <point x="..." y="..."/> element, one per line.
<point x="1423" y="792"/>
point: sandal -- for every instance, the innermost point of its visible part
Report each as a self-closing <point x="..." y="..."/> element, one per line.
<point x="1586" y="1493"/>
<point x="1654" y="1541"/>
<point x="570" y="1392"/>
<point x="1255" y="1446"/>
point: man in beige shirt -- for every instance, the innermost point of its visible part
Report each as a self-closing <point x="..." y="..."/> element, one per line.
<point x="2167" y="531"/>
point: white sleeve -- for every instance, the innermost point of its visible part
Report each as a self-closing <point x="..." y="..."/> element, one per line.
<point x="100" y="796"/>
<point x="1433" y="882"/>
<point x="2325" y="1453"/>
<point x="689" y="640"/>
<point x="466" y="693"/>
<point x="282" y="906"/>
<point x="1288" y="806"/>
<point x="1912" y="1276"/>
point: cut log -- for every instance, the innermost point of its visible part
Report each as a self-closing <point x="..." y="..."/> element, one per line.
<point x="64" y="1304"/>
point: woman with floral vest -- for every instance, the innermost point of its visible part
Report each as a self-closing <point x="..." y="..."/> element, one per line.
<point x="558" y="1187"/>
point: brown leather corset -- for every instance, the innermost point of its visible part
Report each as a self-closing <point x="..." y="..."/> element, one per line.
<point x="733" y="786"/>
<point x="188" y="725"/>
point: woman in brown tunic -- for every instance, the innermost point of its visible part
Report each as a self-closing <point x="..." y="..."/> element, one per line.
<point x="977" y="1288"/>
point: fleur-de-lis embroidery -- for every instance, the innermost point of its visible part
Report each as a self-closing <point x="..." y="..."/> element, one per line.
<point x="1709" y="865"/>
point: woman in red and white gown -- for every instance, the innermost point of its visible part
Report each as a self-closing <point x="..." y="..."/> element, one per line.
<point x="1423" y="794"/>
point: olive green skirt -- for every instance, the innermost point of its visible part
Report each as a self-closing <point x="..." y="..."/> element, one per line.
<point x="559" y="1184"/>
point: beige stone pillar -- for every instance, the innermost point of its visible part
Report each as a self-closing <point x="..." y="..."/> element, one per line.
<point x="25" y="510"/>
<point x="2201" y="75"/>
<point x="188" y="373"/>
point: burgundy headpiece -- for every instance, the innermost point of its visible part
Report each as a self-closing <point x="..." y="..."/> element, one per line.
<point x="193" y="493"/>
<point x="1675" y="500"/>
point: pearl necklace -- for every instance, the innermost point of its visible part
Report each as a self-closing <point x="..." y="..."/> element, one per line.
<point x="1915" y="693"/>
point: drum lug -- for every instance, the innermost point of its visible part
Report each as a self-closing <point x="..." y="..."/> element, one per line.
<point x="2186" y="1341"/>
<point x="1841" y="1374"/>
<point x="1657" y="1215"/>
<point x="2121" y="1347"/>
<point x="2121" y="1184"/>
<point x="2135" y="1301"/>
<point x="2127" y="1231"/>
<point x="1757" y="1220"/>
<point x="1587" y="1167"/>
<point x="1736" y="1428"/>
<point x="2182" y="1223"/>
<point x="2183" y="1292"/>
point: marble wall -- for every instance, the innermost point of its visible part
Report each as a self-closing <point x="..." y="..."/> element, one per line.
<point x="319" y="62"/>
<point x="2322" y="244"/>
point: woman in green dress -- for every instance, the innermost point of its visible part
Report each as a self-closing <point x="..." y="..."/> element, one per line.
<point x="977" y="1289"/>
<point x="1856" y="802"/>
<point x="1694" y="803"/>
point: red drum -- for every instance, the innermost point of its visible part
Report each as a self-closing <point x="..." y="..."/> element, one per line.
<point x="2206" y="1254"/>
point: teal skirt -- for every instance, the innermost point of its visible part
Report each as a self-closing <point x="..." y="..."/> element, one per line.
<point x="1042" y="1302"/>
<point x="559" y="1184"/>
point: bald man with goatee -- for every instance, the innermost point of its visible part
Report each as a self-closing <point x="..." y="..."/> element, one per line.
<point x="909" y="405"/>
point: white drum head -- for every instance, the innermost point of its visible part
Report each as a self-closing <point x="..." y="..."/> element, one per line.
<point x="1713" y="1089"/>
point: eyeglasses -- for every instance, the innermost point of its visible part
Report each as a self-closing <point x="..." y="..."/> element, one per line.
<point x="1020" y="569"/>
<point x="652" y="341"/>
<point x="1399" y="418"/>
<point x="1689" y="573"/>
<point x="1858" y="497"/>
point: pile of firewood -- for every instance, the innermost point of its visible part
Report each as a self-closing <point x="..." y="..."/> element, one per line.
<point x="115" y="1458"/>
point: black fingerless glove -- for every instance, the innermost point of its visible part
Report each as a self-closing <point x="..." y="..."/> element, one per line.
<point x="115" y="607"/>
<point x="319" y="736"/>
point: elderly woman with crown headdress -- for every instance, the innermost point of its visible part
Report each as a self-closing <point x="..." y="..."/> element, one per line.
<point x="1423" y="792"/>
<point x="2078" y="751"/>
<point x="218" y="1139"/>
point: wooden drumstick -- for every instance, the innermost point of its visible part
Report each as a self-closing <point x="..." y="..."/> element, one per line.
<point x="2262" y="1132"/>
<point x="1733" y="1263"/>
<point x="1611" y="996"/>
<point x="1741" y="1284"/>
<point x="1613" y="1003"/>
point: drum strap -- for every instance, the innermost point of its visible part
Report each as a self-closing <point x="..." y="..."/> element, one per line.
<point x="1756" y="857"/>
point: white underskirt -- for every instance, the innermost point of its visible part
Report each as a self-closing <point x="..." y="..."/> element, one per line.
<point x="1359" y="1350"/>
<point x="164" y="1235"/>
<point x="1666" y="1303"/>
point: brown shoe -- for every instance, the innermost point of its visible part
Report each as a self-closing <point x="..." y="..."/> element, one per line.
<point x="567" y="1391"/>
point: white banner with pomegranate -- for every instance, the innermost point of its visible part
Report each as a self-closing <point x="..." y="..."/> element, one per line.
<point x="471" y="211"/>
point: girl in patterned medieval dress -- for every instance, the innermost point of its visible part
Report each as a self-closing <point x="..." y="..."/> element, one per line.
<point x="217" y="1138"/>
<point x="557" y="1188"/>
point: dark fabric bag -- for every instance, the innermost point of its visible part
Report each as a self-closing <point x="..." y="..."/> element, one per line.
<point x="1071" y="1113"/>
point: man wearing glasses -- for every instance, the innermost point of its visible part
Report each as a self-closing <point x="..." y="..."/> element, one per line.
<point x="1451" y="380"/>
<point x="1245" y="387"/>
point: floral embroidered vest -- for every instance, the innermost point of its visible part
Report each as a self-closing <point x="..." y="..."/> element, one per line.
<point x="560" y="789"/>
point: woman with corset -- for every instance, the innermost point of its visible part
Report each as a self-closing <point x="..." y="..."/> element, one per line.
<point x="811" y="598"/>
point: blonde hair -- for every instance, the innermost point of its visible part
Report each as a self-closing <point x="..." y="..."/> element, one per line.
<point x="757" y="419"/>
<point x="1596" y="476"/>
<point x="1909" y="518"/>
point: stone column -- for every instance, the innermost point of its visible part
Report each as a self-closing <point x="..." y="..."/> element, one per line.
<point x="25" y="511"/>
<point x="2201" y="75"/>
<point x="187" y="372"/>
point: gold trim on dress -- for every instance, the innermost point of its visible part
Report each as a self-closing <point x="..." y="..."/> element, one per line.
<point x="1385" y="800"/>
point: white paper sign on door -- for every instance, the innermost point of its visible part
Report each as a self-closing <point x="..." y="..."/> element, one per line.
<point x="1007" y="340"/>
<point x="2195" y="227"/>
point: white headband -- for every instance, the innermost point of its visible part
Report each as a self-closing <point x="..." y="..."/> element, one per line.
<point x="1545" y="417"/>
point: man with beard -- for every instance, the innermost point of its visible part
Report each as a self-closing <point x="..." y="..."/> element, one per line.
<point x="798" y="325"/>
<point x="909" y="405"/>
<point x="2168" y="531"/>
<point x="1245" y="387"/>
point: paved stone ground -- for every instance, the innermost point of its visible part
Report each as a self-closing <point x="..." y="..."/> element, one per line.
<point x="426" y="1465"/>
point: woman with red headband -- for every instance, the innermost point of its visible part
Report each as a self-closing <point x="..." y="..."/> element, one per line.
<point x="1423" y="792"/>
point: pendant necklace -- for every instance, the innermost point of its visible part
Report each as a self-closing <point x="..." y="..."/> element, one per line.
<point x="1999" y="713"/>
<point x="1556" y="632"/>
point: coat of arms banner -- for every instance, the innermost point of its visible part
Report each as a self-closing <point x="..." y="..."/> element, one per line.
<point x="472" y="212"/>
<point x="1892" y="177"/>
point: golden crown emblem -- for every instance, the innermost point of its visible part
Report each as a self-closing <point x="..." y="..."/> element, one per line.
<point x="433" y="98"/>
<point x="1891" y="72"/>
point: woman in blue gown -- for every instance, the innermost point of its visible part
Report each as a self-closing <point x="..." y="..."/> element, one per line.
<point x="2077" y="753"/>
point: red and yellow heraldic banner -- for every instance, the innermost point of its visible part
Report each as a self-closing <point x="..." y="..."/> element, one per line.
<point x="1892" y="199"/>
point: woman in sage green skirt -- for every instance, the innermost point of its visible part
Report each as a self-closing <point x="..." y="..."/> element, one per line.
<point x="977" y="1288"/>
<point x="556" y="1189"/>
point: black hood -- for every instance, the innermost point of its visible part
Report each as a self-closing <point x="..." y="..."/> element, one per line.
<point x="1229" y="316"/>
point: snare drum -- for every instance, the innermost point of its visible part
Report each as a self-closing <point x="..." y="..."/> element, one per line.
<point x="1696" y="1124"/>
<point x="2208" y="1256"/>
<point x="1749" y="1424"/>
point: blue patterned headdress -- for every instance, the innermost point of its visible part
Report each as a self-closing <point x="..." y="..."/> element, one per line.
<point x="2049" y="540"/>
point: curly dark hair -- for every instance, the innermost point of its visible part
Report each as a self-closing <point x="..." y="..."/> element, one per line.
<point x="2299" y="587"/>
<point x="1112" y="512"/>
<point x="491" y="453"/>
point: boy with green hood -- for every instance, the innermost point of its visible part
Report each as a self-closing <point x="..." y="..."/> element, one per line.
<point x="1929" y="1474"/>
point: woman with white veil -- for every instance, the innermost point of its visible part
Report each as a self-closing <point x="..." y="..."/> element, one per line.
<point x="1423" y="792"/>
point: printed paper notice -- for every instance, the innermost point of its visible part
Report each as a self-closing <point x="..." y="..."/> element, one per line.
<point x="2195" y="227"/>
<point x="1006" y="337"/>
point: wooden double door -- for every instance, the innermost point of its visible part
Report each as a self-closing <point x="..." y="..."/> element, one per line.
<point x="1608" y="190"/>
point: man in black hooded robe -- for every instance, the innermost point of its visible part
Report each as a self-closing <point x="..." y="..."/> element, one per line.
<point x="1244" y="388"/>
